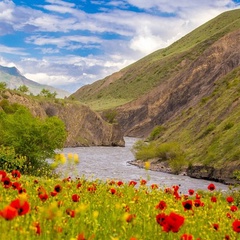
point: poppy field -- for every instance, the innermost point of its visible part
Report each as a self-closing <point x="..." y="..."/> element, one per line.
<point x="77" y="209"/>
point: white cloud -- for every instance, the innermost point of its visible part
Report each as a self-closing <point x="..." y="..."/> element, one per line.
<point x="141" y="33"/>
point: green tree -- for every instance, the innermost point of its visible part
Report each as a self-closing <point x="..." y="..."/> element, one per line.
<point x="46" y="93"/>
<point x="34" y="138"/>
<point x="3" y="85"/>
<point x="23" y="89"/>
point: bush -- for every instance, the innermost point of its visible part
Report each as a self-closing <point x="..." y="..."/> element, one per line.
<point x="31" y="137"/>
<point x="156" y="132"/>
<point x="170" y="151"/>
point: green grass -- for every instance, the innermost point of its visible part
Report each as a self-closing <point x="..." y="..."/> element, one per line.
<point x="140" y="77"/>
<point x="210" y="131"/>
<point x="113" y="210"/>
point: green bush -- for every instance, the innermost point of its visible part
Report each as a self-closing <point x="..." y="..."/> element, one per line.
<point x="170" y="151"/>
<point x="31" y="137"/>
<point x="156" y="132"/>
<point x="9" y="160"/>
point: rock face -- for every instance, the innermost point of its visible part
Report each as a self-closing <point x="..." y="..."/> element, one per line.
<point x="84" y="127"/>
<point x="194" y="81"/>
<point x="224" y="175"/>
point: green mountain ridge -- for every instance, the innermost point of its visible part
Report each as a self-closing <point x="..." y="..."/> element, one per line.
<point x="191" y="91"/>
<point x="144" y="75"/>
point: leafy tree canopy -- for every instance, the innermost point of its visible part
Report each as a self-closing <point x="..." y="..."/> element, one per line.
<point x="31" y="137"/>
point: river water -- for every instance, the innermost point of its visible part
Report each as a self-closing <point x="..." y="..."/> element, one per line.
<point x="112" y="163"/>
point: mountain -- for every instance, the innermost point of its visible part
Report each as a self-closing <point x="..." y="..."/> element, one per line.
<point x="13" y="78"/>
<point x="84" y="127"/>
<point x="191" y="89"/>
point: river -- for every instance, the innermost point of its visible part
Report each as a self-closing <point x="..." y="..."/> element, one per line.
<point x="112" y="163"/>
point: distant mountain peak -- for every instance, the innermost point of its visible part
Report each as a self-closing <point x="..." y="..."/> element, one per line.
<point x="11" y="70"/>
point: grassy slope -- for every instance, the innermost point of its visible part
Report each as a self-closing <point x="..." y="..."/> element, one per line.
<point x="210" y="133"/>
<point x="148" y="72"/>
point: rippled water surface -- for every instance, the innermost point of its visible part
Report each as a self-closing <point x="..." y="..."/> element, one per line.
<point x="112" y="163"/>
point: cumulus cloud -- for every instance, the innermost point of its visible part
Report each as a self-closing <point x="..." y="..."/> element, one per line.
<point x="76" y="47"/>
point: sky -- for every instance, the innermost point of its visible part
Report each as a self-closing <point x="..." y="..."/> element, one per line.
<point x="68" y="44"/>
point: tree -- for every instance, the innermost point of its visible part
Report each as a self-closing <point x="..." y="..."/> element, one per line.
<point x="34" y="138"/>
<point x="46" y="93"/>
<point x="23" y="89"/>
<point x="3" y="85"/>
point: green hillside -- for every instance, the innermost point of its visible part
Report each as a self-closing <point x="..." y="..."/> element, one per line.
<point x="147" y="73"/>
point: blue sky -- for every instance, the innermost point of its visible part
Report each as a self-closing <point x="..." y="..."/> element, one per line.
<point x="68" y="44"/>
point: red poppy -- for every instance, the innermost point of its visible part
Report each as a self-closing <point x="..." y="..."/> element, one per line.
<point x="58" y="188"/>
<point x="81" y="237"/>
<point x="187" y="205"/>
<point x="75" y="198"/>
<point x="198" y="196"/>
<point x="211" y="187"/>
<point x="198" y="203"/>
<point x="236" y="226"/>
<point x="35" y="181"/>
<point x="3" y="174"/>
<point x="16" y="185"/>
<point x="53" y="193"/>
<point x="21" y="190"/>
<point x="230" y="199"/>
<point x="143" y="182"/>
<point x="21" y="206"/>
<point x="38" y="228"/>
<point x="92" y="188"/>
<point x="161" y="219"/>
<point x="79" y="184"/>
<point x="112" y="182"/>
<point x="16" y="174"/>
<point x="168" y="190"/>
<point x="191" y="192"/>
<point x="214" y="199"/>
<point x="6" y="182"/>
<point x="215" y="226"/>
<point x="229" y="215"/>
<point x="112" y="191"/>
<point x="227" y="237"/>
<point x="173" y="222"/>
<point x="71" y="213"/>
<point x="9" y="213"/>
<point x="233" y="208"/>
<point x="132" y="183"/>
<point x="43" y="196"/>
<point x="161" y="205"/>
<point x="154" y="186"/>
<point x="186" y="237"/>
<point x="119" y="183"/>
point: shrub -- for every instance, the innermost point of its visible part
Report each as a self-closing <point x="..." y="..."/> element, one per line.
<point x="31" y="137"/>
<point x="156" y="132"/>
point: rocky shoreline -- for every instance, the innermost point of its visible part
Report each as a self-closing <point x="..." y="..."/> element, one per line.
<point x="223" y="175"/>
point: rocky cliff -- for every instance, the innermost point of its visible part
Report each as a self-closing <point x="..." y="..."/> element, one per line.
<point x="84" y="126"/>
<point x="194" y="81"/>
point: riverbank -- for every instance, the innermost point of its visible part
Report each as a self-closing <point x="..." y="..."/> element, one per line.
<point x="224" y="175"/>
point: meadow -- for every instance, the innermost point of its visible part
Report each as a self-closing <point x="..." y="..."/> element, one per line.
<point x="76" y="209"/>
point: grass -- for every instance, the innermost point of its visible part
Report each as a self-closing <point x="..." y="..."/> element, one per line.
<point x="86" y="209"/>
<point x="144" y="75"/>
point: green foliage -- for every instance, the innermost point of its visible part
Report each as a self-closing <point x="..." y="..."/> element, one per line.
<point x="169" y="151"/>
<point x="9" y="108"/>
<point x="156" y="132"/>
<point x="3" y="85"/>
<point x="110" y="116"/>
<point x="9" y="160"/>
<point x="23" y="89"/>
<point x="46" y="93"/>
<point x="31" y="137"/>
